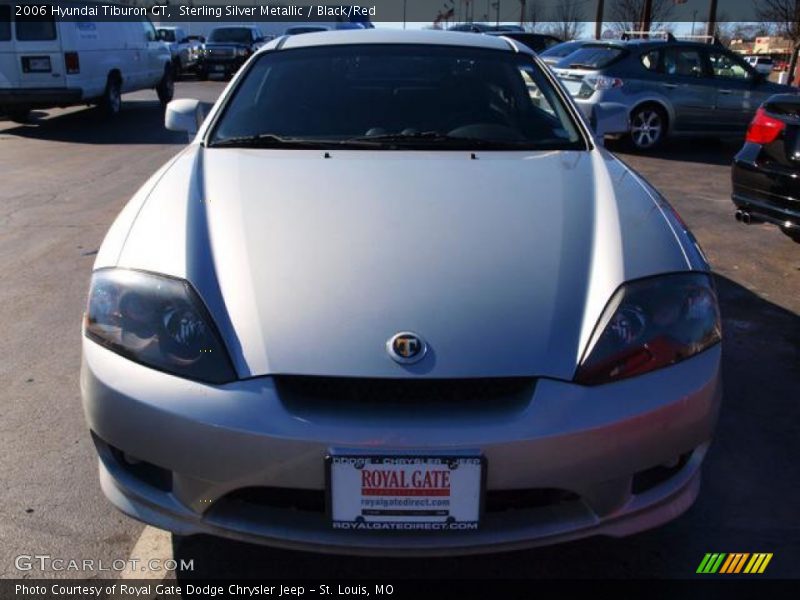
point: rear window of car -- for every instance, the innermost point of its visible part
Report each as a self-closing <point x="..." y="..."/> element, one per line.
<point x="5" y="23"/>
<point x="594" y="57"/>
<point x="35" y="28"/>
<point x="764" y="61"/>
<point x="561" y="50"/>
<point x="237" y="35"/>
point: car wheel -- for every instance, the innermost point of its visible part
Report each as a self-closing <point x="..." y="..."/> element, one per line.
<point x="112" y="97"/>
<point x="166" y="87"/>
<point x="19" y="114"/>
<point x="648" y="127"/>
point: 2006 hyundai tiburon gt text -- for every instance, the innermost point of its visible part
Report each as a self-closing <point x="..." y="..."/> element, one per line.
<point x="394" y="299"/>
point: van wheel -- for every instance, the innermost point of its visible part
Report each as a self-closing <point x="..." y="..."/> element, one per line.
<point x="19" y="114"/>
<point x="648" y="128"/>
<point x="112" y="97"/>
<point x="166" y="87"/>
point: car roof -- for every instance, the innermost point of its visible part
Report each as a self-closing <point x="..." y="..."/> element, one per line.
<point x="516" y="33"/>
<point x="234" y="26"/>
<point x="644" y="44"/>
<point x="389" y="36"/>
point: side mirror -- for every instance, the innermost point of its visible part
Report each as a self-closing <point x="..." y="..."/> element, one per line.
<point x="186" y="114"/>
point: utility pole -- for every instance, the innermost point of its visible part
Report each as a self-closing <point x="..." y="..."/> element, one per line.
<point x="647" y="15"/>
<point x="598" y="20"/>
<point x="497" y="13"/>
<point x="712" y="18"/>
<point x="521" y="12"/>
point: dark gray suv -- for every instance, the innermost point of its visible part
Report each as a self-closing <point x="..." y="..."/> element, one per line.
<point x="650" y="89"/>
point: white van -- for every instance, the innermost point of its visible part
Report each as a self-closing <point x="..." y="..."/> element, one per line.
<point x="762" y="64"/>
<point x="46" y="62"/>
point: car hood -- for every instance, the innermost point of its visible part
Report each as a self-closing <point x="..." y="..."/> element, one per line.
<point x="502" y="262"/>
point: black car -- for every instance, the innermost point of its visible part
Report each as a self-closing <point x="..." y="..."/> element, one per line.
<point x="226" y="49"/>
<point x="766" y="172"/>
<point x="538" y="42"/>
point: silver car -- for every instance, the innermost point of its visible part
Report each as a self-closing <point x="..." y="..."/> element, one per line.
<point x="649" y="90"/>
<point x="421" y="313"/>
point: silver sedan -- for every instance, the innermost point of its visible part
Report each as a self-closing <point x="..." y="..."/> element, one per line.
<point x="394" y="298"/>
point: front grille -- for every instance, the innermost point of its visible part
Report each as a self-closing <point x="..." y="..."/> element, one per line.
<point x="221" y="52"/>
<point x="313" y="501"/>
<point x="404" y="391"/>
<point x="274" y="497"/>
<point x="650" y="478"/>
<point x="505" y="500"/>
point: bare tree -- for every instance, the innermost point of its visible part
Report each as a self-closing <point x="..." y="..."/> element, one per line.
<point x="533" y="15"/>
<point x="568" y="20"/>
<point x="785" y="14"/>
<point x="626" y="15"/>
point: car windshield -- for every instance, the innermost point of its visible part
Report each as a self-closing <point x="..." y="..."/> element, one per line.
<point x="239" y="35"/>
<point x="396" y="96"/>
<point x="594" y="56"/>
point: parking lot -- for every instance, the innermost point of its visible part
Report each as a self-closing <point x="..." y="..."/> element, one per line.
<point x="64" y="177"/>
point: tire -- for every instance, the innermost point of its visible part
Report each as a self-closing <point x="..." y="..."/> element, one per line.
<point x="648" y="128"/>
<point x="111" y="102"/>
<point x="19" y="114"/>
<point x="793" y="234"/>
<point x="166" y="87"/>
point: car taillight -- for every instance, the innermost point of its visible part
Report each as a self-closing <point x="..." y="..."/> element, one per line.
<point x="764" y="129"/>
<point x="593" y="83"/>
<point x="72" y="63"/>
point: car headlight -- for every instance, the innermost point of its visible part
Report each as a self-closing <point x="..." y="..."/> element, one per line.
<point x="650" y="324"/>
<point x="157" y="321"/>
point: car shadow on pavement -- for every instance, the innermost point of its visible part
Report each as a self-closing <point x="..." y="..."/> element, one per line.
<point x="748" y="501"/>
<point x="139" y="122"/>
<point x="711" y="151"/>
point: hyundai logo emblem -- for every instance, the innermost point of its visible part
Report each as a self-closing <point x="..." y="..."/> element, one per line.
<point x="406" y="347"/>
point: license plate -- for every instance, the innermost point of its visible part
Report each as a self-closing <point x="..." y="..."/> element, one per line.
<point x="36" y="64"/>
<point x="405" y="493"/>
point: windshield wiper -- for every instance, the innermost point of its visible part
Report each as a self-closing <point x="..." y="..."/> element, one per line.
<point x="268" y="140"/>
<point x="436" y="139"/>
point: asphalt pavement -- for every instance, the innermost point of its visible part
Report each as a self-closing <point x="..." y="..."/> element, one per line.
<point x="65" y="176"/>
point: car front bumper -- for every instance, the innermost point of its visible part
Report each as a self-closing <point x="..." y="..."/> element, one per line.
<point x="220" y="64"/>
<point x="600" y="445"/>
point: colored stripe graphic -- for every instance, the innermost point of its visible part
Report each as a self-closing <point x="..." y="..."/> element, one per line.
<point x="758" y="563"/>
<point x="727" y="564"/>
<point x="711" y="563"/>
<point x="703" y="563"/>
<point x="734" y="563"/>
